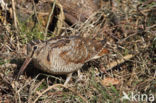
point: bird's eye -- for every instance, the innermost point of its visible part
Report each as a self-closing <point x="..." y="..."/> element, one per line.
<point x="35" y="47"/>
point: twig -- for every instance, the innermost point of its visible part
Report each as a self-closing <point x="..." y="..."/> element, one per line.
<point x="151" y="27"/>
<point x="30" y="11"/>
<point x="33" y="88"/>
<point x="133" y="34"/>
<point x="14" y="14"/>
<point x="49" y="19"/>
<point x="142" y="14"/>
<point x="117" y="62"/>
<point x="56" y="85"/>
<point x="35" y="12"/>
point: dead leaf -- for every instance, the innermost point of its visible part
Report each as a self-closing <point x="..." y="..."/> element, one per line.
<point x="109" y="81"/>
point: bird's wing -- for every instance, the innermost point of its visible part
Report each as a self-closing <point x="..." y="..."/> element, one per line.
<point x="75" y="51"/>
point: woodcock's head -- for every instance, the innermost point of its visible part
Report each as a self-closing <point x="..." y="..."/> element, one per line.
<point x="30" y="52"/>
<point x="34" y="47"/>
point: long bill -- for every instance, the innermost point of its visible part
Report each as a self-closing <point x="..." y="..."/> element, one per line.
<point x="25" y="64"/>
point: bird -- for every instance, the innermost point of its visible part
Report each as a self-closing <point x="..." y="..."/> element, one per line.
<point x="63" y="55"/>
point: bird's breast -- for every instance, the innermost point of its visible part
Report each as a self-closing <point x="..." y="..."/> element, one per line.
<point x="52" y="62"/>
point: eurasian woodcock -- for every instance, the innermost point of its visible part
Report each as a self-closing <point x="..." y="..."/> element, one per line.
<point x="63" y="55"/>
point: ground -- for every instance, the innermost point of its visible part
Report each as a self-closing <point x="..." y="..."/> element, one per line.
<point x="129" y="29"/>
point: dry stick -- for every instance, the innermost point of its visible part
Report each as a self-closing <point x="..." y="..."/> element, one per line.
<point x="56" y="85"/>
<point x="33" y="88"/>
<point x="125" y="58"/>
<point x="117" y="62"/>
<point x="14" y="13"/>
<point x="49" y="19"/>
<point x="35" y="12"/>
<point x="16" y="93"/>
<point x="30" y="11"/>
<point x="150" y="27"/>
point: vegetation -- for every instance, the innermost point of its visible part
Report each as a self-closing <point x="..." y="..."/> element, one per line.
<point x="129" y="26"/>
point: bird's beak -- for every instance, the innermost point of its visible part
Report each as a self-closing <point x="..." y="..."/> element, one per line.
<point x="25" y="64"/>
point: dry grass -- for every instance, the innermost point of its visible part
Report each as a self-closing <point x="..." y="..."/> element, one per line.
<point x="128" y="27"/>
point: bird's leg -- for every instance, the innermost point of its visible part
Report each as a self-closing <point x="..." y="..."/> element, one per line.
<point x="79" y="73"/>
<point x="80" y="76"/>
<point x="68" y="79"/>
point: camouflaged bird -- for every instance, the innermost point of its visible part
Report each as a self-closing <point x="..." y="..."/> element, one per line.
<point x="63" y="55"/>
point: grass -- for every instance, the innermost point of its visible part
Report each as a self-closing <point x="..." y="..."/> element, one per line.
<point x="129" y="36"/>
<point x="27" y="34"/>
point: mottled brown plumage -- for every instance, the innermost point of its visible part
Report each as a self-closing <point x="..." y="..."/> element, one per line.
<point x="64" y="55"/>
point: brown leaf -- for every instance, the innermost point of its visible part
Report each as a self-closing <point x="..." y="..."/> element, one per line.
<point x="109" y="81"/>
